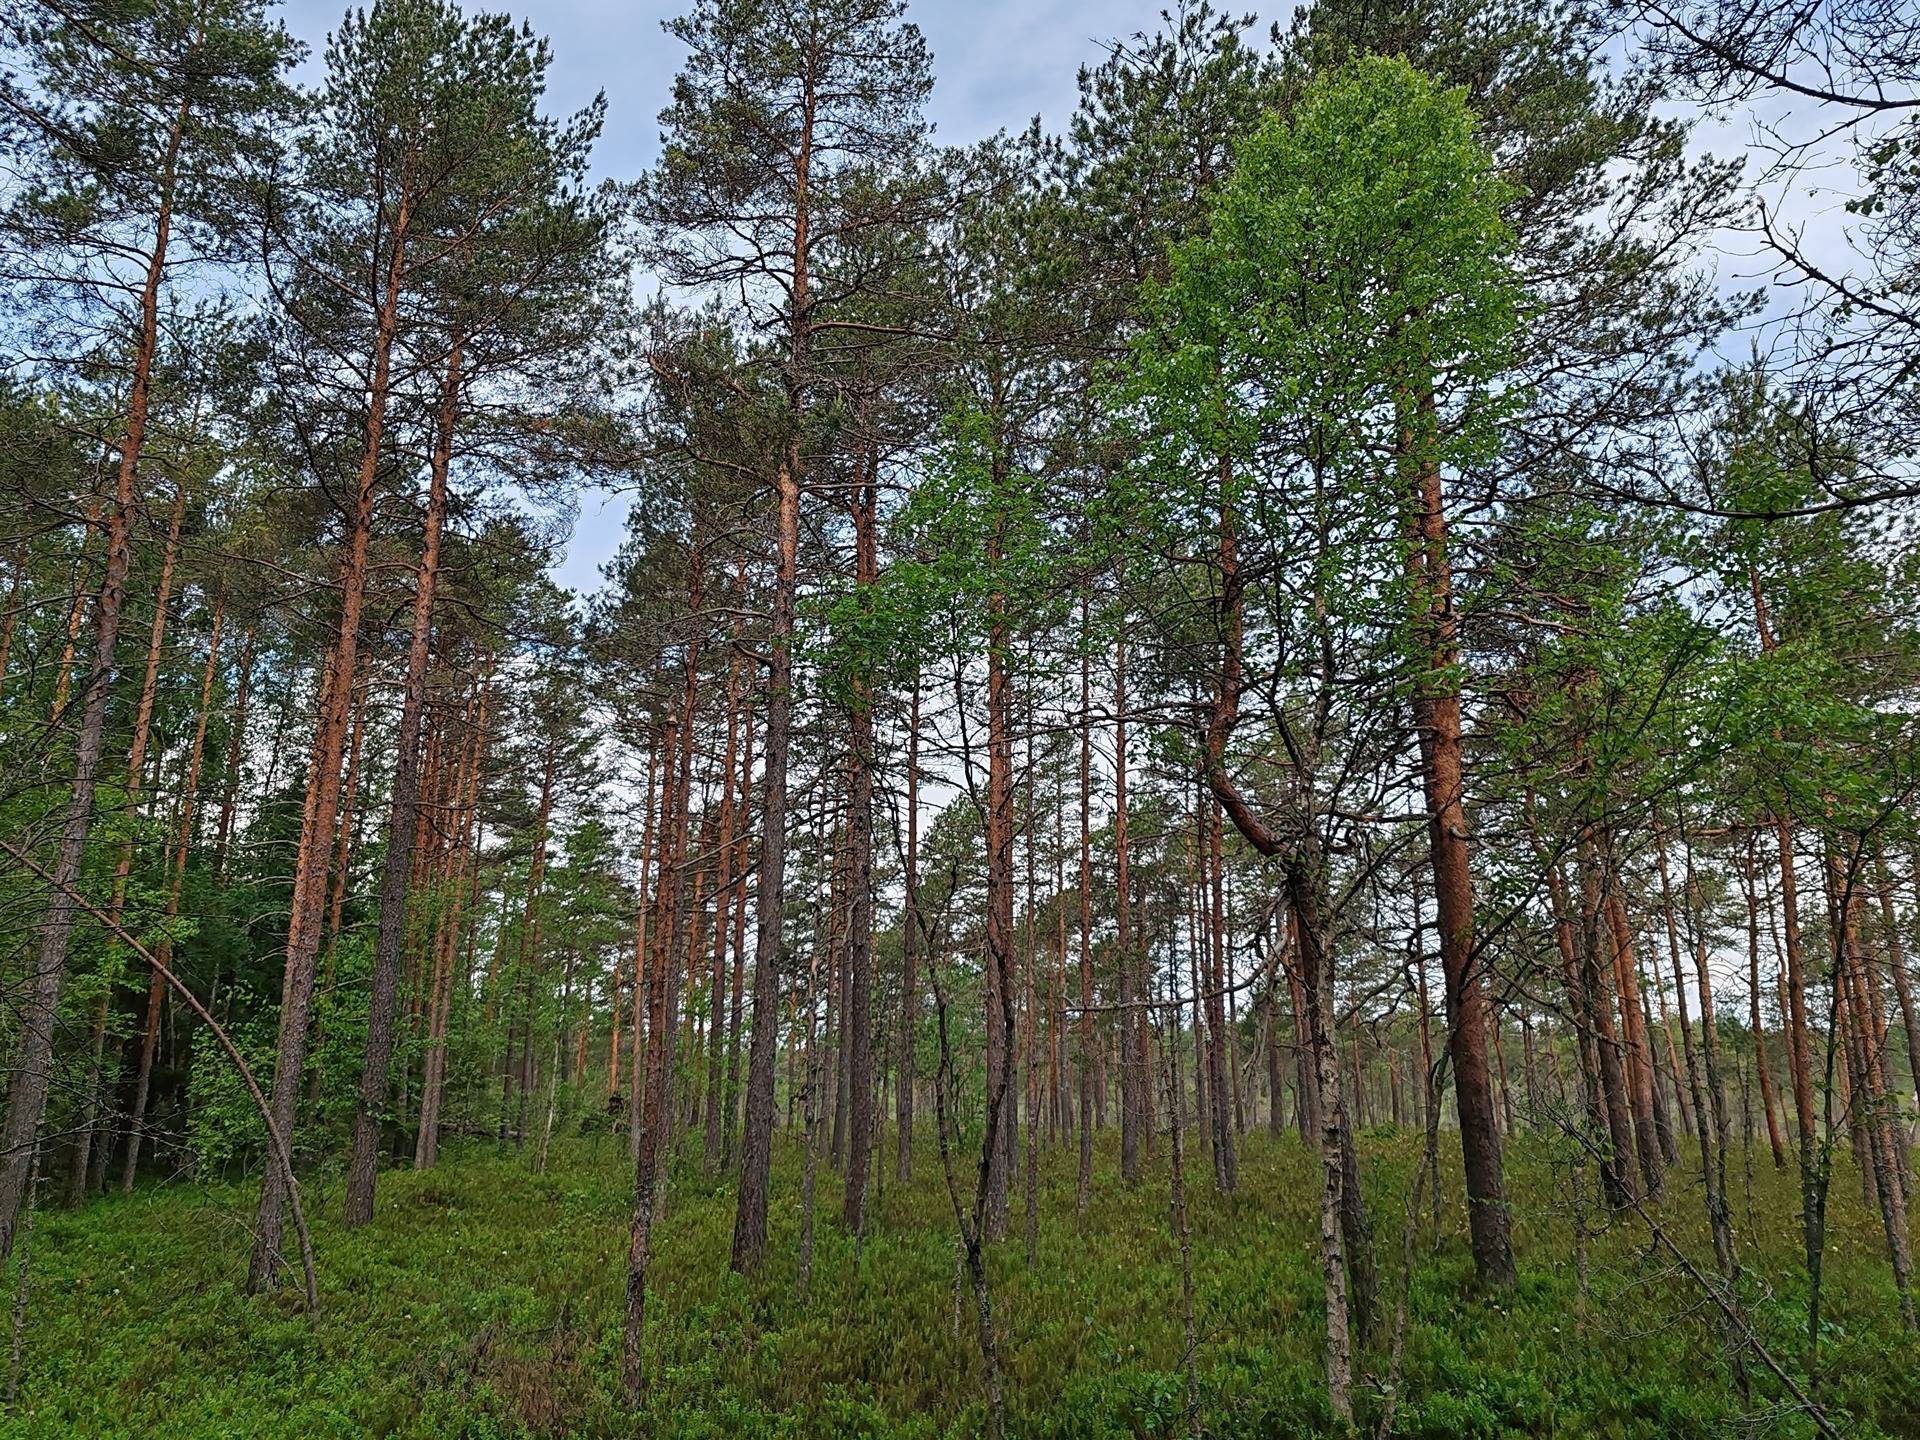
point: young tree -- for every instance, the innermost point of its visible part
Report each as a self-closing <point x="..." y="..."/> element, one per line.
<point x="1362" y="380"/>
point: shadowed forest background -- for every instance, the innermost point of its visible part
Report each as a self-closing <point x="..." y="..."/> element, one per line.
<point x="1249" y="768"/>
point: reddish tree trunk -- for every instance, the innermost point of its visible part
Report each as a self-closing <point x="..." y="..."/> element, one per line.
<point x="738" y="978"/>
<point x="85" y="1158"/>
<point x="433" y="1076"/>
<point x="1089" y="1055"/>
<point x="403" y="821"/>
<point x="303" y="928"/>
<point x="723" y="896"/>
<point x="1436" y="715"/>
<point x="33" y="1059"/>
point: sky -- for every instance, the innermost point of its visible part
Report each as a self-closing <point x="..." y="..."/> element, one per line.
<point x="997" y="64"/>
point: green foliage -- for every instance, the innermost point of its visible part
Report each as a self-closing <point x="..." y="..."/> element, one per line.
<point x="223" y="1123"/>
<point x="485" y="1301"/>
<point x="978" y="560"/>
<point x="1357" y="258"/>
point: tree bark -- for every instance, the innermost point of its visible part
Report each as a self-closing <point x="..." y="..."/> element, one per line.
<point x="404" y="820"/>
<point x="857" y="1021"/>
<point x="1760" y="1061"/>
<point x="84" y="1158"/>
<point x="750" y="1214"/>
<point x="1132" y="1049"/>
<point x="433" y="1077"/>
<point x="738" y="979"/>
<point x="33" y="1063"/>
<point x="1226" y="1166"/>
<point x="723" y="896"/>
<point x="999" y="917"/>
<point x="1437" y="721"/>
<point x="1088" y="1056"/>
<point x="910" y="948"/>
<point x="655" y="805"/>
<point x="303" y="928"/>
<point x="1639" y="1061"/>
<point x="1616" y="1171"/>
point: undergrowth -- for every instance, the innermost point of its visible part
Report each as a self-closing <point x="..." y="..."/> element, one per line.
<point x="485" y="1301"/>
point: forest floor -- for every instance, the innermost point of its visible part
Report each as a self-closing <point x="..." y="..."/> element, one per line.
<point x="485" y="1301"/>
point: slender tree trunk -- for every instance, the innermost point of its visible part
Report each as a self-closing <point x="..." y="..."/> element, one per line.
<point x="33" y="1060"/>
<point x="163" y="949"/>
<point x="647" y="1165"/>
<point x="1870" y="1080"/>
<point x="999" y="916"/>
<point x="85" y="1158"/>
<point x="349" y="815"/>
<point x="303" y="929"/>
<point x="1436" y="713"/>
<point x="723" y="897"/>
<point x="858" y="1018"/>
<point x="236" y="748"/>
<point x="403" y="823"/>
<point x="750" y="1215"/>
<point x="1226" y="1166"/>
<point x="910" y="948"/>
<point x="1902" y="982"/>
<point x="1088" y="1054"/>
<point x="648" y="858"/>
<point x="738" y="978"/>
<point x="1616" y="1170"/>
<point x="1132" y="1051"/>
<point x="518" y="1078"/>
<point x="1639" y="1060"/>
<point x="1760" y="1060"/>
<point x="433" y="1078"/>
<point x="1332" y="1125"/>
<point x="675" y="889"/>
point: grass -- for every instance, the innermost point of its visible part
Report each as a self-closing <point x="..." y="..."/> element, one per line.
<point x="484" y="1301"/>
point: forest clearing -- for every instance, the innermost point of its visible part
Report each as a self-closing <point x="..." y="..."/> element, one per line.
<point x="1216" y="733"/>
